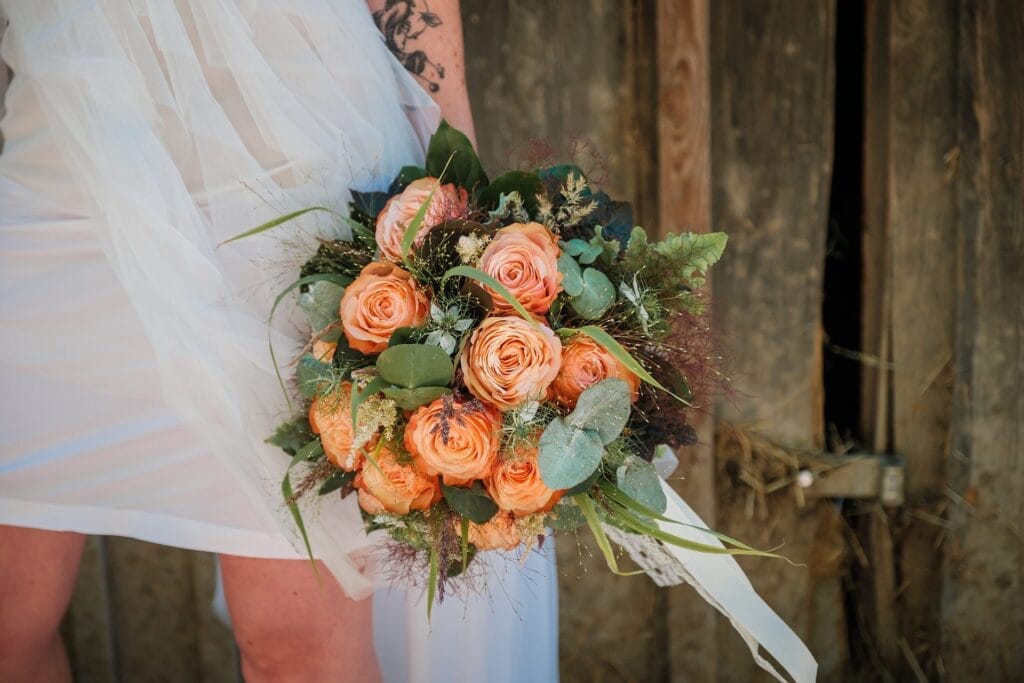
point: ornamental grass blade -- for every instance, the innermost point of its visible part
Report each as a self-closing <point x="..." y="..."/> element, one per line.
<point x="409" y="236"/>
<point x="286" y="491"/>
<point x="274" y="223"/>
<point x="586" y="506"/>
<point x="432" y="580"/>
<point x="613" y="347"/>
<point x="484" y="278"/>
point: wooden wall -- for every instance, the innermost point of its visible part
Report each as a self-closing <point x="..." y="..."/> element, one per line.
<point x="718" y="114"/>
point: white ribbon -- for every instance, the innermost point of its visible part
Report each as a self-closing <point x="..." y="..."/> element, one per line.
<point x="720" y="581"/>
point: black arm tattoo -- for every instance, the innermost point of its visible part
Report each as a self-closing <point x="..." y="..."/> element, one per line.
<point x="402" y="21"/>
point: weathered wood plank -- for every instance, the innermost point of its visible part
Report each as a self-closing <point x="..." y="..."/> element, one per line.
<point x="684" y="203"/>
<point x="923" y="227"/>
<point x="983" y="623"/>
<point x="558" y="72"/>
<point x="772" y="101"/>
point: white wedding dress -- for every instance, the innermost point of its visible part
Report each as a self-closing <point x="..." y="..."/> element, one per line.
<point x="137" y="387"/>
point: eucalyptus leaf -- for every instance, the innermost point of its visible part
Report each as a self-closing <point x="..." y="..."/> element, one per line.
<point x="415" y="365"/>
<point x="568" y="455"/>
<point x="597" y="296"/>
<point x="572" y="275"/>
<point x="638" y="479"/>
<point x="320" y="303"/>
<point x="586" y="484"/>
<point x="411" y="399"/>
<point x="471" y="502"/>
<point x="403" y="335"/>
<point x="603" y="407"/>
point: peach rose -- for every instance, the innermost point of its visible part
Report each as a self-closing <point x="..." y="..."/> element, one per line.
<point x="524" y="258"/>
<point x="457" y="440"/>
<point x="383" y="298"/>
<point x="508" y="361"/>
<point x="391" y="486"/>
<point x="516" y="486"/>
<point x="331" y="418"/>
<point x="585" y="362"/>
<point x="499" y="533"/>
<point x="447" y="203"/>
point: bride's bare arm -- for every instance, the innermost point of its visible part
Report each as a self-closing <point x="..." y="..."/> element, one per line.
<point x="426" y="36"/>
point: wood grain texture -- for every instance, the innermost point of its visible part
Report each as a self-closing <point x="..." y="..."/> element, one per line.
<point x="684" y="204"/>
<point x="983" y="623"/>
<point x="772" y="71"/>
<point x="555" y="72"/>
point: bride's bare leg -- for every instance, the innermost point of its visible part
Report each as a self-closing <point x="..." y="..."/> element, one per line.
<point x="37" y="576"/>
<point x="289" y="627"/>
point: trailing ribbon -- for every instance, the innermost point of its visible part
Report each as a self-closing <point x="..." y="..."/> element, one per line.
<point x="720" y="581"/>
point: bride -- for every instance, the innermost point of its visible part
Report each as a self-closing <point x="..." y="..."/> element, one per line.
<point x="135" y="379"/>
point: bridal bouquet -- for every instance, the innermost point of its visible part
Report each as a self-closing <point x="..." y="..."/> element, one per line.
<point x="492" y="359"/>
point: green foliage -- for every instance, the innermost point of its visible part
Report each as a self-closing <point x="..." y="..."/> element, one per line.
<point x="572" y="274"/>
<point x="336" y="481"/>
<point x="465" y="168"/>
<point x="638" y="479"/>
<point x="565" y="516"/>
<point x="568" y="455"/>
<point x="274" y="223"/>
<point x="677" y="263"/>
<point x="527" y="184"/>
<point x="292" y="435"/>
<point x="320" y="303"/>
<point x="415" y="365"/>
<point x="471" y="502"/>
<point x="314" y="377"/>
<point x="596" y="296"/>
<point x="603" y="407"/>
<point x="411" y="399"/>
<point x="406" y="176"/>
<point x="344" y="259"/>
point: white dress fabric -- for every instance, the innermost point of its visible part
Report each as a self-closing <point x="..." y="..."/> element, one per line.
<point x="137" y="387"/>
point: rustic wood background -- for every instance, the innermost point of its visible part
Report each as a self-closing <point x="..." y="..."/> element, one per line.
<point x="720" y="115"/>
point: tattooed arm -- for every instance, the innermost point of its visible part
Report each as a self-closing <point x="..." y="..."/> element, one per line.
<point x="426" y="36"/>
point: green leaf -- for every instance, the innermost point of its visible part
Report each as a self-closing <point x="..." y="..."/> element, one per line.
<point x="683" y="259"/>
<point x="572" y="275"/>
<point x="449" y="144"/>
<point x="586" y="506"/>
<point x="472" y="502"/>
<point x="608" y="249"/>
<point x="561" y="173"/>
<point x="638" y="479"/>
<point x="435" y="561"/>
<point x="603" y="407"/>
<point x="597" y="296"/>
<point x="527" y="184"/>
<point x="565" y="516"/>
<point x="415" y="365"/>
<point x="586" y="484"/>
<point x="481" y="276"/>
<point x="292" y="435"/>
<point x="403" y="335"/>
<point x="320" y="303"/>
<point x="568" y="455"/>
<point x="274" y="223"/>
<point x="411" y="399"/>
<point x="335" y="482"/>
<point x="311" y="374"/>
<point x="613" y="347"/>
<point x="303" y="453"/>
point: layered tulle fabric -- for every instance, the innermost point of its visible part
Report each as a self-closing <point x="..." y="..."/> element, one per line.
<point x="168" y="127"/>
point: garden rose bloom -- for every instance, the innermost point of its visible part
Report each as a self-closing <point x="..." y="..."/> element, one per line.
<point x="331" y="418"/>
<point x="524" y="258"/>
<point x="395" y="487"/>
<point x="383" y="298"/>
<point x="448" y="202"/>
<point x="508" y="361"/>
<point x="584" y="363"/>
<point x="499" y="533"/>
<point x="516" y="486"/>
<point x="324" y="351"/>
<point x="462" y="447"/>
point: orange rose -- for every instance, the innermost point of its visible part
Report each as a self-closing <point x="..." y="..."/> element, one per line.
<point x="447" y="203"/>
<point x="331" y="418"/>
<point x="382" y="299"/>
<point x="499" y="533"/>
<point x="391" y="486"/>
<point x="516" y="486"/>
<point x="324" y="351"/>
<point x="452" y="439"/>
<point x="524" y="258"/>
<point x="509" y="361"/>
<point x="584" y="363"/>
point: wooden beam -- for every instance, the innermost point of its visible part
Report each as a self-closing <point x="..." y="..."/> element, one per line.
<point x="684" y="204"/>
<point x="982" y="619"/>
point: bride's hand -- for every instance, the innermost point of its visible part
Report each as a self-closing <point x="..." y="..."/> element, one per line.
<point x="427" y="40"/>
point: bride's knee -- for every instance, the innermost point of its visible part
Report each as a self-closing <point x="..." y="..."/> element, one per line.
<point x="291" y="626"/>
<point x="36" y="583"/>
